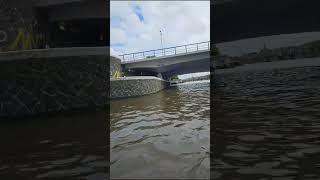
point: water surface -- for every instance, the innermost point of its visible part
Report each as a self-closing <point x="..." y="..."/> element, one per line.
<point x="57" y="147"/>
<point x="266" y="123"/>
<point x="163" y="135"/>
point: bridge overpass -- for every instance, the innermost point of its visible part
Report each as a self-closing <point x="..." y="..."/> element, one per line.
<point x="167" y="62"/>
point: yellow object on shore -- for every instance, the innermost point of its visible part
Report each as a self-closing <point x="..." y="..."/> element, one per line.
<point x="24" y="41"/>
<point x="117" y="74"/>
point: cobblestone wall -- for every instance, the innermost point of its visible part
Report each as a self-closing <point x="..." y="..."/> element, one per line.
<point x="135" y="86"/>
<point x="36" y="84"/>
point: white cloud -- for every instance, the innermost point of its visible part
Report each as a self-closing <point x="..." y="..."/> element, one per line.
<point x="113" y="52"/>
<point x="118" y="36"/>
<point x="182" y="22"/>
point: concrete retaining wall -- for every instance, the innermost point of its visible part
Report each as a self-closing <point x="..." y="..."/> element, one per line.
<point x="52" y="80"/>
<point x="135" y="86"/>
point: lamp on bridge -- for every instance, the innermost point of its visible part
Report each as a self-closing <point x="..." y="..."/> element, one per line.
<point x="161" y="42"/>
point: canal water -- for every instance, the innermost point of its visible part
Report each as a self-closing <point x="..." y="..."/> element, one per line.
<point x="266" y="122"/>
<point x="162" y="135"/>
<point x="57" y="147"/>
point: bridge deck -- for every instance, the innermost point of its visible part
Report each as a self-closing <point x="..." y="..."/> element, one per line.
<point x="166" y="52"/>
<point x="165" y="57"/>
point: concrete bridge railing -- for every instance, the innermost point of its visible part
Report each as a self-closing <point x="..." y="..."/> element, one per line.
<point x="183" y="49"/>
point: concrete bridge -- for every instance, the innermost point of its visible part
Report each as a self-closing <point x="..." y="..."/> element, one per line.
<point x="168" y="62"/>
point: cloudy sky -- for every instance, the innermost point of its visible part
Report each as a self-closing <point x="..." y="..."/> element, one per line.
<point x="136" y="25"/>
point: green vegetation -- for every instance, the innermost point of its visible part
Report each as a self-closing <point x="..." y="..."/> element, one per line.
<point x="174" y="78"/>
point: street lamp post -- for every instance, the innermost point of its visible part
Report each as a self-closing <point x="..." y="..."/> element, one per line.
<point x="161" y="42"/>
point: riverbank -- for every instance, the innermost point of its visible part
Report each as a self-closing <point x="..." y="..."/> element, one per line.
<point x="260" y="66"/>
<point x="134" y="86"/>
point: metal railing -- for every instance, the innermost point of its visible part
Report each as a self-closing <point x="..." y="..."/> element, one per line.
<point x="166" y="51"/>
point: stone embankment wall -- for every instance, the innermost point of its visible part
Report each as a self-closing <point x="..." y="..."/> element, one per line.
<point x="115" y="65"/>
<point x="52" y="80"/>
<point x="135" y="86"/>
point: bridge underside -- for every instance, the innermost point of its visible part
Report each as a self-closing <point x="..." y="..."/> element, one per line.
<point x="165" y="72"/>
<point x="202" y="65"/>
<point x="242" y="19"/>
<point x="168" y="66"/>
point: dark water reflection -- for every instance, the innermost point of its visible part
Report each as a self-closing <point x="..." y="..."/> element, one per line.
<point x="266" y="125"/>
<point x="163" y="135"/>
<point x="58" y="147"/>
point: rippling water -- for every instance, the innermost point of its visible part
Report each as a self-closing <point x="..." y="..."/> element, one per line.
<point x="266" y="123"/>
<point x="163" y="135"/>
<point x="58" y="147"/>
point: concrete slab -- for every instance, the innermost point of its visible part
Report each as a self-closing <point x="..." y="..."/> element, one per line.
<point x="135" y="78"/>
<point x="54" y="52"/>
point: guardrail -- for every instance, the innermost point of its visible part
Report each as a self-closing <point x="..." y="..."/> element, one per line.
<point x="166" y="51"/>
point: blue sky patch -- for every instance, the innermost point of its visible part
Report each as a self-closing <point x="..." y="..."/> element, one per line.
<point x="115" y="21"/>
<point x="117" y="45"/>
<point x="138" y="11"/>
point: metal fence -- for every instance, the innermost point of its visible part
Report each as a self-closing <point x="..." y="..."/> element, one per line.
<point x="166" y="51"/>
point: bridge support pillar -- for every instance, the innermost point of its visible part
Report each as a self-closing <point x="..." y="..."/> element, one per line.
<point x="159" y="75"/>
